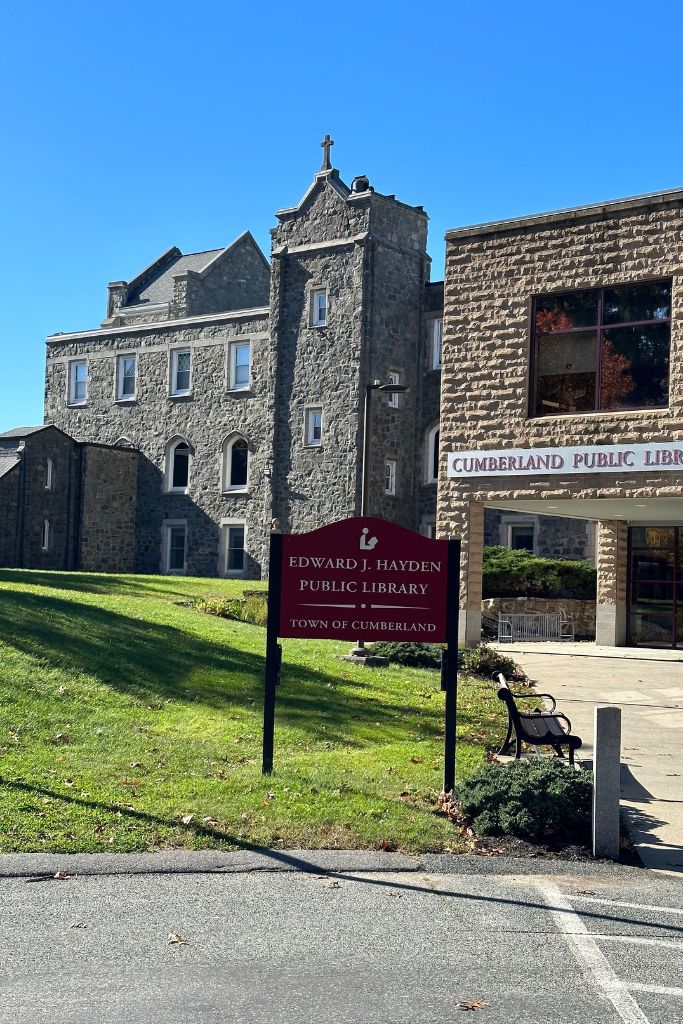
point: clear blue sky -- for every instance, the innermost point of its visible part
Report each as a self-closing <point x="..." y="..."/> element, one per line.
<point x="130" y="128"/>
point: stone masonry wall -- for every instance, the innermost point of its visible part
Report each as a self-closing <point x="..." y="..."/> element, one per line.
<point x="9" y="510"/>
<point x="57" y="505"/>
<point x="240" y="281"/>
<point x="490" y="279"/>
<point x="107" y="509"/>
<point x="205" y="419"/>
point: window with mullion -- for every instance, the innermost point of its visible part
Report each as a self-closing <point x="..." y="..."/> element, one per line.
<point x="603" y="349"/>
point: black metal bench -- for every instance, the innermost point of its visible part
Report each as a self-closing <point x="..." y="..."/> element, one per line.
<point x="539" y="728"/>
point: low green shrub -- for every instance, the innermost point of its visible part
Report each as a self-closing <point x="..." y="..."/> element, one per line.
<point x="413" y="655"/>
<point x="482" y="660"/>
<point x="251" y="608"/>
<point x="544" y="801"/>
<point x="520" y="574"/>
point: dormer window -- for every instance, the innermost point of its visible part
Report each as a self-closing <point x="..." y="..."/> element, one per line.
<point x="318" y="307"/>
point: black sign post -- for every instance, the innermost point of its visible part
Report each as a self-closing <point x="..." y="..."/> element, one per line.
<point x="449" y="677"/>
<point x="273" y="650"/>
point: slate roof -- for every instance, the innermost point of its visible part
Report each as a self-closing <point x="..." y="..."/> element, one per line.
<point x="8" y="460"/>
<point x="158" y="287"/>
<point x="20" y="432"/>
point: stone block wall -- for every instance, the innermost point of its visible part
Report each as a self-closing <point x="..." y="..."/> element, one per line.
<point x="9" y="516"/>
<point x="107" y="509"/>
<point x="205" y="419"/>
<point x="491" y="276"/>
<point x="58" y="504"/>
<point x="239" y="280"/>
<point x="581" y="614"/>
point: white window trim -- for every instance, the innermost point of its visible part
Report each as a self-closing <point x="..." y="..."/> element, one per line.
<point x="391" y="489"/>
<point x="437" y="350"/>
<point x="509" y="521"/>
<point x="308" y="410"/>
<point x="312" y="306"/>
<point x="394" y="401"/>
<point x="70" y="382"/>
<point x="166" y="547"/>
<point x="428" y="526"/>
<point x="429" y="477"/>
<point x="173" y="364"/>
<point x="49" y="474"/>
<point x="232" y="345"/>
<point x="226" y="486"/>
<point x="168" y="466"/>
<point x="120" y="357"/>
<point x="45" y="535"/>
<point x="223" y="570"/>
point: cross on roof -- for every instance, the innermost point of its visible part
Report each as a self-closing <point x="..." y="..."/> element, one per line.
<point x="326" y="144"/>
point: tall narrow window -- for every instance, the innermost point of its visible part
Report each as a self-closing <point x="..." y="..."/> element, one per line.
<point x="393" y="377"/>
<point x="437" y="338"/>
<point x="180" y="371"/>
<point x="234" y="549"/>
<point x="319" y="307"/>
<point x="48" y="474"/>
<point x="236" y="464"/>
<point x="314" y="426"/>
<point x="178" y="466"/>
<point x="125" y="388"/>
<point x="432" y="455"/>
<point x="176" y="544"/>
<point x="45" y="535"/>
<point x="240" y="365"/>
<point x="78" y="382"/>
<point x="390" y="476"/>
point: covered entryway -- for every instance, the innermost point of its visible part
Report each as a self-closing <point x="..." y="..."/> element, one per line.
<point x="639" y="561"/>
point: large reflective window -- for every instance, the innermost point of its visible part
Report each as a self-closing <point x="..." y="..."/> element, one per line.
<point x="622" y="363"/>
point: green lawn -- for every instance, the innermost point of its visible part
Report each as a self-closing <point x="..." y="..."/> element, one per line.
<point x="124" y="710"/>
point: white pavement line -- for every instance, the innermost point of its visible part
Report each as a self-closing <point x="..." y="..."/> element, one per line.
<point x="639" y="940"/>
<point x="592" y="960"/>
<point x="660" y="990"/>
<point x="575" y="898"/>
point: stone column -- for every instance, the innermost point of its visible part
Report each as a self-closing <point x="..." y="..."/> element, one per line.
<point x="612" y="563"/>
<point x="467" y="522"/>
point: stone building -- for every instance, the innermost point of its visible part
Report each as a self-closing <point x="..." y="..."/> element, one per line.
<point x="562" y="393"/>
<point x="241" y="383"/>
<point x="65" y="505"/>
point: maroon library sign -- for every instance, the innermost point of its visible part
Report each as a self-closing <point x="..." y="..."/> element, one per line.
<point x="363" y="578"/>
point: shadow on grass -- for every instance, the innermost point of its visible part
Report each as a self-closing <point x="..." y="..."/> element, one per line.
<point x="149" y="660"/>
<point x="112" y="583"/>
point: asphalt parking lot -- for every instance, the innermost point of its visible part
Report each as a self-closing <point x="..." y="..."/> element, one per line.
<point x="582" y="943"/>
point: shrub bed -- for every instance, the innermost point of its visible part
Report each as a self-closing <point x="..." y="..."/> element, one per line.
<point x="481" y="660"/>
<point x="520" y="574"/>
<point x="541" y="801"/>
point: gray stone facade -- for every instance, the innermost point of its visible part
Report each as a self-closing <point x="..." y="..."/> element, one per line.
<point x="366" y="253"/>
<point x="65" y="505"/>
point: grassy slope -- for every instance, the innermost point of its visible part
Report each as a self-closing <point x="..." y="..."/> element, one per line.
<point x="123" y="711"/>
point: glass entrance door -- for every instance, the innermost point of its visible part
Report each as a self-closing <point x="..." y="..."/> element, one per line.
<point x="655" y="586"/>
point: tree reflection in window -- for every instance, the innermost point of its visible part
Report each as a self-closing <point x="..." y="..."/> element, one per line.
<point x="602" y="349"/>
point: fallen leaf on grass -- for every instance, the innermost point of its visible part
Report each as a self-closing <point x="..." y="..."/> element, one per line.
<point x="187" y="818"/>
<point x="472" y="1004"/>
<point x="176" y="939"/>
<point x="417" y="760"/>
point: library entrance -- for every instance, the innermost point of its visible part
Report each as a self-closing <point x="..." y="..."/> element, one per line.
<point x="655" y="586"/>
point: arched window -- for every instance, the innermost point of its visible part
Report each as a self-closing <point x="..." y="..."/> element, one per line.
<point x="123" y="442"/>
<point x="432" y="455"/>
<point x="235" y="463"/>
<point x="178" y="465"/>
<point x="47" y="474"/>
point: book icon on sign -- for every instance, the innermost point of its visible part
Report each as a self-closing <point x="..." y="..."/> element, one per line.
<point x="367" y="543"/>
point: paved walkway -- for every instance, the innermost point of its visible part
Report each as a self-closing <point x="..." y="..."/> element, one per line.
<point x="648" y="686"/>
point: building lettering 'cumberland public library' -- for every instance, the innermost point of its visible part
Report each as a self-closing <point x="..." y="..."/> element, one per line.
<point x="223" y="392"/>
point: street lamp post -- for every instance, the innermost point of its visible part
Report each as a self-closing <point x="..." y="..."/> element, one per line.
<point x="360" y="650"/>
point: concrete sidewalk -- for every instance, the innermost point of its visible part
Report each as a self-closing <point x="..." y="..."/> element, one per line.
<point x="648" y="687"/>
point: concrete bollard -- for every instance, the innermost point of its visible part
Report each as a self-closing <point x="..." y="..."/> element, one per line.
<point x="606" y="781"/>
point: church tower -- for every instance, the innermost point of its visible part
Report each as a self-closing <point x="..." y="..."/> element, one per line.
<point x="348" y="274"/>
